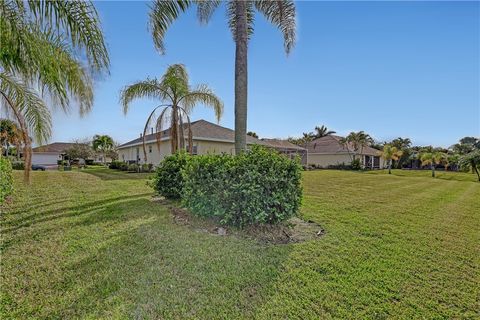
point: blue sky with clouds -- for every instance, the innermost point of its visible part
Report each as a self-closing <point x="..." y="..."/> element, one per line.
<point x="409" y="69"/>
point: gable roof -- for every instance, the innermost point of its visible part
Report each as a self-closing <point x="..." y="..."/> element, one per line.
<point x="56" y="147"/>
<point x="201" y="130"/>
<point x="331" y="144"/>
<point x="283" y="144"/>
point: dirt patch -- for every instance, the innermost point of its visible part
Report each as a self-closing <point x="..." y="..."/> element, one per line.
<point x="293" y="230"/>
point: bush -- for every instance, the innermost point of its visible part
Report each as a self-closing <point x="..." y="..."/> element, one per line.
<point x="123" y="166"/>
<point x="115" y="164"/>
<point x="6" y="179"/>
<point x="258" y="186"/>
<point x="356" y="165"/>
<point x="168" y="180"/>
<point x="340" y="166"/>
<point x="17" y="165"/>
<point x="133" y="167"/>
<point x="147" y="167"/>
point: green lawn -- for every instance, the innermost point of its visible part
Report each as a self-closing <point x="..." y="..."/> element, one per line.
<point x="92" y="245"/>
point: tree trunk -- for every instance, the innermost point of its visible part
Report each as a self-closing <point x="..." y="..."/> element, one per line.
<point x="390" y="167"/>
<point x="474" y="168"/>
<point x="433" y="170"/>
<point x="241" y="77"/>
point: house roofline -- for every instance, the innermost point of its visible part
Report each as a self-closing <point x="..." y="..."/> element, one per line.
<point x="168" y="138"/>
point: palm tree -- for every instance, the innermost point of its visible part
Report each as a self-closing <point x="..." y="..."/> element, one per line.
<point x="390" y="153"/>
<point x="432" y="159"/>
<point x="104" y="144"/>
<point x="9" y="135"/>
<point x="355" y="142"/>
<point x="39" y="61"/>
<point x="323" y="132"/>
<point x="471" y="160"/>
<point x="240" y="15"/>
<point x="176" y="95"/>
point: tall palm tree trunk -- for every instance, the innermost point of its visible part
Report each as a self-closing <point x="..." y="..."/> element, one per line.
<point x="241" y="77"/>
<point x="433" y="170"/>
<point x="390" y="167"/>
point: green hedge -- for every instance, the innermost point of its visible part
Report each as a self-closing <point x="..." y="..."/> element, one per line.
<point x="168" y="179"/>
<point x="6" y="179"/>
<point x="258" y="186"/>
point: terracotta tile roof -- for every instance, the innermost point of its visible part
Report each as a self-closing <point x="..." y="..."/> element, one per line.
<point x="331" y="145"/>
<point x="57" y="147"/>
<point x="201" y="129"/>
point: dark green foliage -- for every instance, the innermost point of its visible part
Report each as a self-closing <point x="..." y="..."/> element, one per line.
<point x="340" y="166"/>
<point x="168" y="180"/>
<point x="18" y="165"/>
<point x="115" y="164"/>
<point x="258" y="186"/>
<point x="147" y="167"/>
<point x="133" y="167"/>
<point x="6" y="179"/>
<point x="356" y="165"/>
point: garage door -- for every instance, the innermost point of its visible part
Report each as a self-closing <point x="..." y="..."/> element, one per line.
<point x="45" y="158"/>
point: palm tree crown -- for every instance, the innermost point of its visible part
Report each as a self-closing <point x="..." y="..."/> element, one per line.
<point x="323" y="132"/>
<point x="432" y="158"/>
<point x="176" y="96"/>
<point x="390" y="153"/>
<point x="102" y="143"/>
<point x="240" y="16"/>
<point x="41" y="42"/>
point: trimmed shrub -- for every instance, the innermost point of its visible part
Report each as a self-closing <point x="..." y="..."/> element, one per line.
<point x="115" y="164"/>
<point x="147" y="167"/>
<point x="6" y="179"/>
<point x="133" y="167"/>
<point x="168" y="180"/>
<point x="258" y="186"/>
<point x="356" y="165"/>
<point x="17" y="165"/>
<point x="123" y="166"/>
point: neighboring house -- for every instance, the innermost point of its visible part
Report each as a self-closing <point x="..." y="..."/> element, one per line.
<point x="49" y="154"/>
<point x="207" y="138"/>
<point x="329" y="150"/>
<point x="288" y="148"/>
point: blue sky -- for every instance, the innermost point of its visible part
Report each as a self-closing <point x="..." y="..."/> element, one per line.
<point x="409" y="69"/>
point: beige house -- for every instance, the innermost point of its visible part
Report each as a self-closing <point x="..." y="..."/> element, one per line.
<point x="329" y="150"/>
<point x="207" y="138"/>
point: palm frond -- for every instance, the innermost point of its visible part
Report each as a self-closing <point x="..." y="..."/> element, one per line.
<point x="282" y="14"/>
<point x="232" y="17"/>
<point x="24" y="102"/>
<point x="150" y="88"/>
<point x="162" y="15"/>
<point x="80" y="22"/>
<point x="204" y="95"/>
<point x="205" y="9"/>
<point x="175" y="81"/>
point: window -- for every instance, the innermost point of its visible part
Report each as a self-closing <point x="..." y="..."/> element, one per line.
<point x="149" y="149"/>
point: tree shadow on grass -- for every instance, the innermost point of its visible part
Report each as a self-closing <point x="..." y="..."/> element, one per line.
<point x="111" y="174"/>
<point x="58" y="213"/>
<point x="146" y="266"/>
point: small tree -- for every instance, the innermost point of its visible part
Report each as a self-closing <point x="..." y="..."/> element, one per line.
<point x="79" y="150"/>
<point x="103" y="144"/>
<point x="432" y="159"/>
<point x="472" y="161"/>
<point x="390" y="153"/>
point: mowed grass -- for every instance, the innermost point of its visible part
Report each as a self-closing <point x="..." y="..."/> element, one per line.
<point x="92" y="245"/>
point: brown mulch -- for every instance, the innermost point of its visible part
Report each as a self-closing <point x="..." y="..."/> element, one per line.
<point x="293" y="230"/>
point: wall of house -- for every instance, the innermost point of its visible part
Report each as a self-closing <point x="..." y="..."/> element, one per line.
<point x="215" y="147"/>
<point x="156" y="156"/>
<point x="325" y="160"/>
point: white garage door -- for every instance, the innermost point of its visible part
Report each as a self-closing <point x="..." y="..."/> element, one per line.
<point x="45" y="158"/>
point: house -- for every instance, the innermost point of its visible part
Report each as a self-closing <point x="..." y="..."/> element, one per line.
<point x="288" y="148"/>
<point x="329" y="151"/>
<point x="207" y="138"/>
<point x="49" y="154"/>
